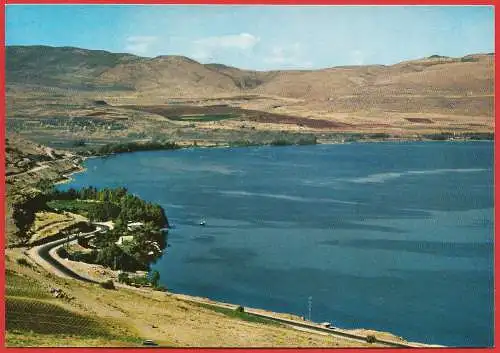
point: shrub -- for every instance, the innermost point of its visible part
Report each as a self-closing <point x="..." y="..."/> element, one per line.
<point x="160" y="288"/>
<point x="23" y="262"/>
<point x="280" y="142"/>
<point x="371" y="339"/>
<point x="307" y="141"/>
<point x="155" y="278"/>
<point x="239" y="309"/>
<point x="140" y="280"/>
<point x="79" y="143"/>
<point x="123" y="278"/>
<point x="107" y="284"/>
<point x="62" y="253"/>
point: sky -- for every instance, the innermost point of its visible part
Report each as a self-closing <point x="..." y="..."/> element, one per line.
<point x="260" y="37"/>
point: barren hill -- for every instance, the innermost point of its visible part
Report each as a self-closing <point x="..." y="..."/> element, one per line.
<point x="432" y="94"/>
<point x="469" y="76"/>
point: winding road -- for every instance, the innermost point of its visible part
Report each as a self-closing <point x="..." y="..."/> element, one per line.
<point x="45" y="254"/>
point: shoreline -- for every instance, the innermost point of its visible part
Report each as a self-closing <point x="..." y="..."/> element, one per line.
<point x="68" y="178"/>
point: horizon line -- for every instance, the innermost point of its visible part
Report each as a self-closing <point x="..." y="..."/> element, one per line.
<point x="433" y="56"/>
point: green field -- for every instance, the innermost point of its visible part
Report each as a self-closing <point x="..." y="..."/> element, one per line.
<point x="16" y="338"/>
<point x="25" y="314"/>
<point x="19" y="286"/>
<point x="202" y="117"/>
<point x="74" y="206"/>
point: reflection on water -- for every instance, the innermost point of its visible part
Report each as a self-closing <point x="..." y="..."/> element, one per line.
<point x="393" y="237"/>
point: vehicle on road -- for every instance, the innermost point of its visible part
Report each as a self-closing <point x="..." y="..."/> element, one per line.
<point x="149" y="343"/>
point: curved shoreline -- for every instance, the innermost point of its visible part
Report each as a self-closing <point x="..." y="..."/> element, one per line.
<point x="67" y="177"/>
<point x="395" y="142"/>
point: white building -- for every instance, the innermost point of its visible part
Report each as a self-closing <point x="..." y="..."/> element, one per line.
<point x="124" y="239"/>
<point x="134" y="225"/>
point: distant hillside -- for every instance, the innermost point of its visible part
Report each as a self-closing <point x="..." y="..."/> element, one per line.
<point x="434" y="84"/>
<point x="60" y="67"/>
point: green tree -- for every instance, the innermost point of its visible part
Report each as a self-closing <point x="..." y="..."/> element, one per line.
<point x="123" y="278"/>
<point x="46" y="186"/>
<point x="155" y="278"/>
<point x="110" y="256"/>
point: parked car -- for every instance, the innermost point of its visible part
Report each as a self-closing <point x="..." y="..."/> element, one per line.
<point x="149" y="343"/>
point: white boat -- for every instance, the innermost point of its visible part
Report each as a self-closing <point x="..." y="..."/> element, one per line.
<point x="203" y="222"/>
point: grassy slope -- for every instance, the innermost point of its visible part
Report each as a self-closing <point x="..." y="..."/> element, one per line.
<point x="35" y="318"/>
<point x="48" y="224"/>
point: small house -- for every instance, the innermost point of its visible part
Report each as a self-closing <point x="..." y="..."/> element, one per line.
<point x="124" y="239"/>
<point x="134" y="225"/>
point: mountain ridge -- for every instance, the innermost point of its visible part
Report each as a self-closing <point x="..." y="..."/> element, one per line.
<point x="435" y="93"/>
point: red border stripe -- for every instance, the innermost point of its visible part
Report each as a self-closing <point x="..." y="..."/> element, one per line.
<point x="231" y="2"/>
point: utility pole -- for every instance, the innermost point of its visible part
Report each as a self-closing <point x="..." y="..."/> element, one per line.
<point x="309" y="305"/>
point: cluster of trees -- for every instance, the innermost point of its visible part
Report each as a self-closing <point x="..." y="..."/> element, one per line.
<point x="479" y="135"/>
<point x="442" y="136"/>
<point x="283" y="141"/>
<point x="146" y="242"/>
<point x="152" y="280"/>
<point x="23" y="213"/>
<point x="306" y="140"/>
<point x="135" y="146"/>
<point x="144" y="248"/>
<point x="115" y="204"/>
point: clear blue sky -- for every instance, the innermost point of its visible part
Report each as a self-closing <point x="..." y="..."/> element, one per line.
<point x="260" y="37"/>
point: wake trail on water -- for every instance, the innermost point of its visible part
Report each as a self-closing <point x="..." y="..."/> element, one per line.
<point x="383" y="177"/>
<point x="284" y="197"/>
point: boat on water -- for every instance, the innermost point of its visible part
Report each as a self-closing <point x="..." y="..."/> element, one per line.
<point x="202" y="222"/>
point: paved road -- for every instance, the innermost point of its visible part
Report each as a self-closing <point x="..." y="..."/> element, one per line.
<point x="44" y="255"/>
<point x="309" y="326"/>
<point x="34" y="169"/>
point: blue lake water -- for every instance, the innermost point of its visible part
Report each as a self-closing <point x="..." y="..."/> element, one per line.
<point x="395" y="237"/>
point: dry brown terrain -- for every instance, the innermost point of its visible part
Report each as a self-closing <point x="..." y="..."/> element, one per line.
<point x="27" y="164"/>
<point x="58" y="96"/>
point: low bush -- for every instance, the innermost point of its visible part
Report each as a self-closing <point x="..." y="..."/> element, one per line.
<point x="123" y="278"/>
<point x="160" y="289"/>
<point x="371" y="339"/>
<point x="108" y="284"/>
<point x="23" y="262"/>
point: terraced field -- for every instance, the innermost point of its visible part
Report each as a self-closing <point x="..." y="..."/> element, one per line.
<point x="25" y="314"/>
<point x="19" y="286"/>
<point x="35" y="318"/>
<point x="203" y="117"/>
<point x="48" y="224"/>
